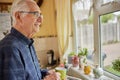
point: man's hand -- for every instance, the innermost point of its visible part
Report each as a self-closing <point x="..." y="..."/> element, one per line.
<point x="52" y="75"/>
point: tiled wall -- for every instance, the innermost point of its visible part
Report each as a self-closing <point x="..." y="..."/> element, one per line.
<point x="42" y="45"/>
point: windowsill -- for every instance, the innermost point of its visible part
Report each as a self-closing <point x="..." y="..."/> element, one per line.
<point x="72" y="78"/>
<point x="111" y="75"/>
<point x="80" y="74"/>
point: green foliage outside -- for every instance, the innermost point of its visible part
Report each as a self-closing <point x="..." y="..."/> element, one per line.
<point x="116" y="64"/>
<point x="90" y="19"/>
<point x="114" y="68"/>
<point x="119" y="17"/>
<point x="105" y="18"/>
<point x="110" y="69"/>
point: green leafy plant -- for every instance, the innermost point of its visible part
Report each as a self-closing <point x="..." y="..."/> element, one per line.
<point x="116" y="64"/>
<point x="72" y="53"/>
<point x="70" y="56"/>
<point x="83" y="52"/>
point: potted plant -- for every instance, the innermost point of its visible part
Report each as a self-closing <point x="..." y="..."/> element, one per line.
<point x="70" y="56"/>
<point x="83" y="52"/>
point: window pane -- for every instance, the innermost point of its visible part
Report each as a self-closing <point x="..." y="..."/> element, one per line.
<point x="84" y="23"/>
<point x="110" y="42"/>
<point x="83" y="18"/>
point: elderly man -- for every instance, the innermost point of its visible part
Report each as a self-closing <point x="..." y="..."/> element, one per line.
<point x="18" y="60"/>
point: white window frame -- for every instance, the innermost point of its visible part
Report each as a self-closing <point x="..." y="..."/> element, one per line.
<point x="99" y="10"/>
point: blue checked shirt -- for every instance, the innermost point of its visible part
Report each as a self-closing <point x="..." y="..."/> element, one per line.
<point x="18" y="60"/>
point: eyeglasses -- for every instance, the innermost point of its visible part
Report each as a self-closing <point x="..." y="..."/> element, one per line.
<point x="35" y="13"/>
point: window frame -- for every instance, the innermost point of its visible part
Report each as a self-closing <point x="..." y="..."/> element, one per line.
<point x="100" y="10"/>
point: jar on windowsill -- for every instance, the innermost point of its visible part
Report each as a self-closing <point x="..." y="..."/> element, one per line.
<point x="97" y="71"/>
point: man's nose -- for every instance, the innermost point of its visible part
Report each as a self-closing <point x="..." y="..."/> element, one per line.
<point x="40" y="19"/>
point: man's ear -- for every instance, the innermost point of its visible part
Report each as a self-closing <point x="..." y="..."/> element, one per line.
<point x="17" y="16"/>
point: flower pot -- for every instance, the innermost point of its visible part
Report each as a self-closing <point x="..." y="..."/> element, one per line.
<point x="75" y="61"/>
<point x="82" y="60"/>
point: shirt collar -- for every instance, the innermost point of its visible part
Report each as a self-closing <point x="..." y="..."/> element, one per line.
<point x="21" y="37"/>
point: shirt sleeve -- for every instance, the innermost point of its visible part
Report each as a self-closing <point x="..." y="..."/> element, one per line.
<point x="44" y="72"/>
<point x="11" y="66"/>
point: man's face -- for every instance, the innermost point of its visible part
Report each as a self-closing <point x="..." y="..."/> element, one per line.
<point x="32" y="20"/>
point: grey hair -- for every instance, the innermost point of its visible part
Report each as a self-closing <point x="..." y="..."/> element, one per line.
<point x="18" y="5"/>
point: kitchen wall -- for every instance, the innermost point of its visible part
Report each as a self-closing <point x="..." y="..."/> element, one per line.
<point x="42" y="45"/>
<point x="46" y="38"/>
<point x="48" y="27"/>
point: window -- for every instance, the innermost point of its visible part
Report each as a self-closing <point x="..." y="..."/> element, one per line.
<point x="100" y="33"/>
<point x="110" y="41"/>
<point x="106" y="26"/>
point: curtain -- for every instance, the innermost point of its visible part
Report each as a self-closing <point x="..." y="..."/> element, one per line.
<point x="63" y="9"/>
